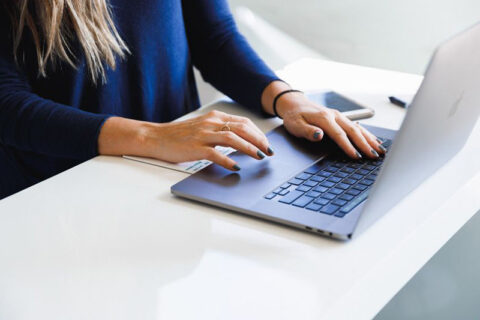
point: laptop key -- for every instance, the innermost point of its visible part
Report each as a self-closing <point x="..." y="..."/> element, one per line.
<point x="360" y="187"/>
<point x="328" y="196"/>
<point x="317" y="178"/>
<point x="332" y="169"/>
<point x="283" y="192"/>
<point x="349" y="181"/>
<point x="346" y="197"/>
<point x="367" y="182"/>
<point x="291" y="196"/>
<point x="369" y="167"/>
<point x="327" y="184"/>
<point x="277" y="190"/>
<point x="363" y="171"/>
<point x="339" y="202"/>
<point x="313" y="169"/>
<point x="270" y="196"/>
<point x="387" y="143"/>
<point x="313" y="206"/>
<point x="341" y="174"/>
<point x="303" y="176"/>
<point x="320" y="189"/>
<point x="335" y="191"/>
<point x="334" y="179"/>
<point x="285" y="185"/>
<point x="342" y="186"/>
<point x="324" y="174"/>
<point x="347" y="170"/>
<point x="329" y="209"/>
<point x="356" y="176"/>
<point x="321" y="201"/>
<point x="310" y="183"/>
<point x="355" y="202"/>
<point x="303" y="188"/>
<point x="353" y="192"/>
<point x="302" y="201"/>
<point x="295" y="181"/>
<point x="313" y="194"/>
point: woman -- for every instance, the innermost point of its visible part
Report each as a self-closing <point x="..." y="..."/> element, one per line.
<point x="85" y="77"/>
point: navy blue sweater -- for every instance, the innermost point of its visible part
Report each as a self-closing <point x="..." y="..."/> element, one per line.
<point x="50" y="124"/>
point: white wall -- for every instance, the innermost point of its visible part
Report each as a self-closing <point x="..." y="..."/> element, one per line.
<point x="397" y="35"/>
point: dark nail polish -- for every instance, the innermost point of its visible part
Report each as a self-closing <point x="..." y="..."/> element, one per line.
<point x="260" y="154"/>
<point x="379" y="141"/>
<point x="270" y="151"/>
<point x="316" y="135"/>
<point x="359" y="156"/>
<point x="374" y="153"/>
<point x="382" y="148"/>
<point x="236" y="167"/>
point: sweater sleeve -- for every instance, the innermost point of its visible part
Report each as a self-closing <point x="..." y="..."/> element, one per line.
<point x="222" y="54"/>
<point x="31" y="123"/>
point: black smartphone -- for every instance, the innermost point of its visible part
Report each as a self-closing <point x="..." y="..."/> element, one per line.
<point x="348" y="107"/>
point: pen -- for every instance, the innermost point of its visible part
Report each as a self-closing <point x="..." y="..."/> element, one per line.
<point x="397" y="102"/>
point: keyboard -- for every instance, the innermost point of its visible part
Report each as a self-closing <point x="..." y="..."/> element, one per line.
<point x="334" y="185"/>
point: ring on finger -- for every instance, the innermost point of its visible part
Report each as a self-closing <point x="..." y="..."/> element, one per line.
<point x="226" y="127"/>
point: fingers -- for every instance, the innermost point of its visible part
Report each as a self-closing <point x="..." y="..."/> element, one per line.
<point x="372" y="140"/>
<point x="350" y="137"/>
<point x="220" y="159"/>
<point x="355" y="134"/>
<point x="244" y="120"/>
<point x="338" y="135"/>
<point x="302" y="129"/>
<point x="230" y="139"/>
<point x="242" y="126"/>
<point x="254" y="137"/>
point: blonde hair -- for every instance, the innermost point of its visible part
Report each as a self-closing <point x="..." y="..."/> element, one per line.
<point x="55" y="24"/>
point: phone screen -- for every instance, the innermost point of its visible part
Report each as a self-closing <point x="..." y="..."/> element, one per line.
<point x="334" y="100"/>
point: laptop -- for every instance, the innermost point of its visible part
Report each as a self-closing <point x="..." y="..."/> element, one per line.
<point x="313" y="186"/>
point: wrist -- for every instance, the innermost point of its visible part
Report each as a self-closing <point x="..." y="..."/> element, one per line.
<point x="279" y="96"/>
<point x="270" y="92"/>
<point x="120" y="136"/>
<point x="288" y="102"/>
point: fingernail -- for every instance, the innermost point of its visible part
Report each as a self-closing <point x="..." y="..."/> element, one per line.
<point x="379" y="141"/>
<point x="382" y="148"/>
<point x="374" y="153"/>
<point x="316" y="135"/>
<point x="236" y="167"/>
<point x="260" y="154"/>
<point x="359" y="156"/>
<point x="270" y="151"/>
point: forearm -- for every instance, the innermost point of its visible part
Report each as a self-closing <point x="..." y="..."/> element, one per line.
<point x="120" y="136"/>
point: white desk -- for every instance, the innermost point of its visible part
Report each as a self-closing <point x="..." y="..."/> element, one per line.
<point x="107" y="240"/>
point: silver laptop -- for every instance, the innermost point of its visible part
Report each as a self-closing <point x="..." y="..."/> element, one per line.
<point x="314" y="187"/>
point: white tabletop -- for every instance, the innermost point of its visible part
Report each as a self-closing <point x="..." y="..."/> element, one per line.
<point x="107" y="240"/>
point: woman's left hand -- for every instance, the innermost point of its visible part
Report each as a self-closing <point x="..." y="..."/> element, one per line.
<point x="304" y="118"/>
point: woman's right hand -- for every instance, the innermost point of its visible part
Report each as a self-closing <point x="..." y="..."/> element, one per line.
<point x="188" y="140"/>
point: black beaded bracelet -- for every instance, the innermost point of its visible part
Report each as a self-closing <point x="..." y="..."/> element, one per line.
<point x="278" y="97"/>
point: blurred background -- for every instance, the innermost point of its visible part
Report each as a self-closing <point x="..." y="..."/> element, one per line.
<point x="398" y="35"/>
<point x="395" y="35"/>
